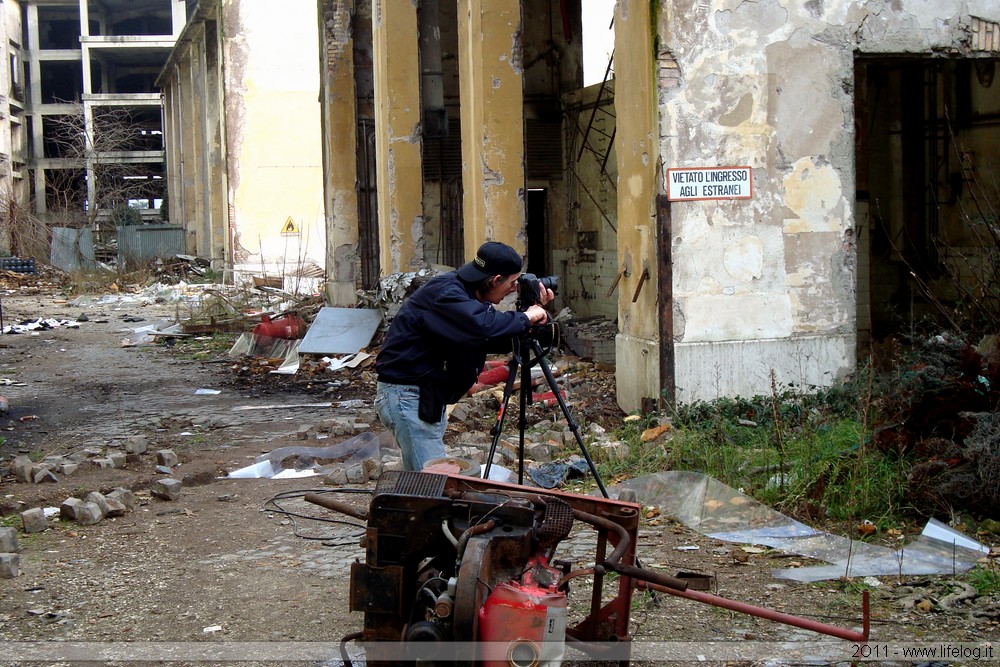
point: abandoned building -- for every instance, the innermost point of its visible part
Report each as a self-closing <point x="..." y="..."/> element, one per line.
<point x="845" y="146"/>
<point x="83" y="119"/>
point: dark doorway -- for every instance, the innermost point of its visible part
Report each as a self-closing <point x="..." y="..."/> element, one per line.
<point x="927" y="137"/>
<point x="538" y="201"/>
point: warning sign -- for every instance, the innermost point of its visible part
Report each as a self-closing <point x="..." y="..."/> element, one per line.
<point x="699" y="183"/>
<point x="289" y="228"/>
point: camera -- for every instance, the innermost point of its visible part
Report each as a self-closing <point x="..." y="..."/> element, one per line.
<point x="528" y="291"/>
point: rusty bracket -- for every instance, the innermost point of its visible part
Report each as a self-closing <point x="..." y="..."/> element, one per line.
<point x="622" y="273"/>
<point x="638" y="288"/>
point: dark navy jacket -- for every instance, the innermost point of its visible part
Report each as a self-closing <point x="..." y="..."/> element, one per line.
<point x="439" y="339"/>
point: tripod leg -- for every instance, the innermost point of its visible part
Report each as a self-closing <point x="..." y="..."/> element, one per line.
<point x="536" y="346"/>
<point x="522" y="423"/>
<point x="497" y="429"/>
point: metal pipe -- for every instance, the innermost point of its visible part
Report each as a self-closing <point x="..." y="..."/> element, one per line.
<point x="335" y="505"/>
<point x="770" y="614"/>
<point x="471" y="532"/>
<point x="599" y="522"/>
<point x="647" y="575"/>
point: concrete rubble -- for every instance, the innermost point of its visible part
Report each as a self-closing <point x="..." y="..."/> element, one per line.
<point x="10" y="553"/>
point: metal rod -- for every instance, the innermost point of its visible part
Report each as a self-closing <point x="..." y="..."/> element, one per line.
<point x="335" y="505"/>
<point x="638" y="288"/>
<point x="772" y="615"/>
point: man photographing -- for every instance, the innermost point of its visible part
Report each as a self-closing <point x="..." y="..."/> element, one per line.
<point x="437" y="343"/>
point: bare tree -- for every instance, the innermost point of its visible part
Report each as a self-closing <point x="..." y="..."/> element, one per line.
<point x="101" y="167"/>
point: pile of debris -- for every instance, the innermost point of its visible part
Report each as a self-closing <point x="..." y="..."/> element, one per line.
<point x="943" y="414"/>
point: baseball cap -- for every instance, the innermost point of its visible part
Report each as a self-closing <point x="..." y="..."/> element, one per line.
<point x="492" y="259"/>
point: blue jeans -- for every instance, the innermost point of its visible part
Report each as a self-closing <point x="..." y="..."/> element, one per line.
<point x="420" y="441"/>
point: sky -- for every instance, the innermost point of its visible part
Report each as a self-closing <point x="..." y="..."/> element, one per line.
<point x="598" y="39"/>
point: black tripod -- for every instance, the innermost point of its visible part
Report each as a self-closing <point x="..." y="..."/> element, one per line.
<point x="526" y="344"/>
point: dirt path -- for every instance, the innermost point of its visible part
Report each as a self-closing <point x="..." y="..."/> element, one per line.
<point x="221" y="564"/>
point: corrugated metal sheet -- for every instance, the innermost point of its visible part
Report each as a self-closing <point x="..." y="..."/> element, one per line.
<point x="139" y="243"/>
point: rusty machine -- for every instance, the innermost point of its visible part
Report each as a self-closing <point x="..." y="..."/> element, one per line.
<point x="460" y="569"/>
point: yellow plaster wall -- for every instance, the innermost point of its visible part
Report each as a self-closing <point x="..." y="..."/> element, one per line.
<point x="492" y="122"/>
<point x="636" y="146"/>
<point x="398" y="140"/>
<point x="340" y="156"/>
<point x="275" y="163"/>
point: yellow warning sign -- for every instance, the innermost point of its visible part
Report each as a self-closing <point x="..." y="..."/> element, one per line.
<point x="290" y="227"/>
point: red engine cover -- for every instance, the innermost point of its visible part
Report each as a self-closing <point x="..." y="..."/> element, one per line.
<point x="523" y="624"/>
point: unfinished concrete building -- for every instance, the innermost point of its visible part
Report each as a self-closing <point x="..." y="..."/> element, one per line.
<point x="94" y="115"/>
<point x="860" y="129"/>
<point x="13" y="186"/>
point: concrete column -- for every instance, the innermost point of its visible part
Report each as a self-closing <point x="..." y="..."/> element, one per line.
<point x="637" y="151"/>
<point x="92" y="162"/>
<point x="397" y="135"/>
<point x="84" y="18"/>
<point x="340" y="165"/>
<point x="217" y="184"/>
<point x="214" y="229"/>
<point x="178" y="16"/>
<point x="491" y="88"/>
<point x="206" y="239"/>
<point x="188" y="157"/>
<point x="34" y="101"/>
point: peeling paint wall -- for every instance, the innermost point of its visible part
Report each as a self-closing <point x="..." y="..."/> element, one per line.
<point x="398" y="135"/>
<point x="768" y="84"/>
<point x="491" y="71"/>
<point x="274" y="144"/>
<point x="340" y="165"/>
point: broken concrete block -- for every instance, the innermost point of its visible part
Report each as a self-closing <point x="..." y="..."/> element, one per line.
<point x="68" y="508"/>
<point x="124" y="496"/>
<point x="10" y="565"/>
<point x="133" y="459"/>
<point x="304" y="432"/>
<point x="118" y="459"/>
<point x="136" y="444"/>
<point x="34" y="520"/>
<point x="8" y="540"/>
<point x="338" y="477"/>
<point x="115" y="507"/>
<point x="166" y="489"/>
<point x="43" y="475"/>
<point x="67" y="468"/>
<point x="459" y="413"/>
<point x="392" y="463"/>
<point x="613" y="451"/>
<point x="87" y="513"/>
<point x="99" y="499"/>
<point x="371" y="468"/>
<point x="103" y="463"/>
<point x="93" y="452"/>
<point x="540" y="452"/>
<point x="77" y="457"/>
<point x="166" y="458"/>
<point x="356" y="474"/>
<point x="23" y="468"/>
<point x="474" y="454"/>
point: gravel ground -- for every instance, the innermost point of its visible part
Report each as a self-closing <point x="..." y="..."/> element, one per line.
<point x="221" y="566"/>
